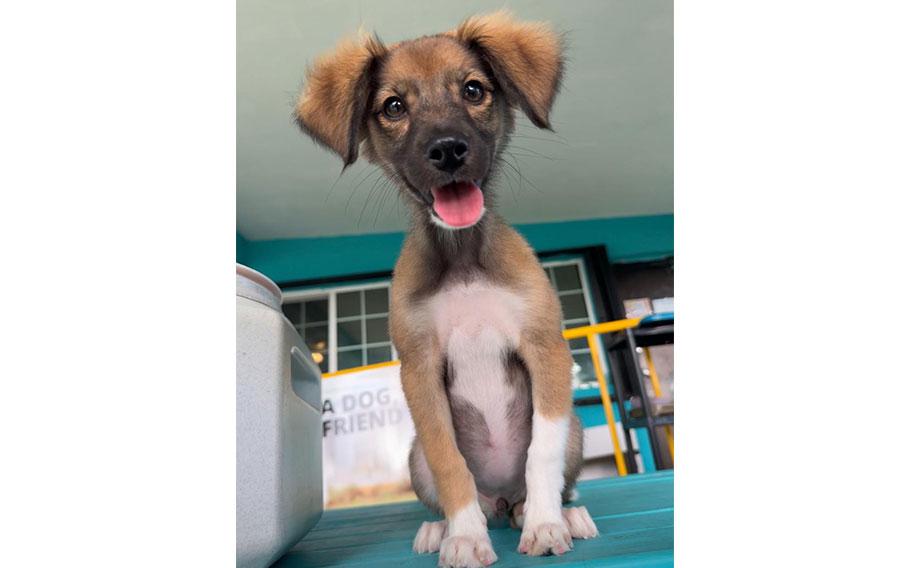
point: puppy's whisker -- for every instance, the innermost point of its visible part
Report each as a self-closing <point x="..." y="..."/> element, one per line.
<point x="386" y="190"/>
<point x="532" y="151"/>
<point x="532" y="156"/>
<point x="518" y="171"/>
<point x="354" y="189"/>
<point x="389" y="189"/>
<point x="505" y="174"/>
<point x="508" y="180"/>
<point x="398" y="199"/>
<point x="367" y="200"/>
<point x="360" y="176"/>
<point x="535" y="130"/>
<point x="332" y="188"/>
<point x="540" y="139"/>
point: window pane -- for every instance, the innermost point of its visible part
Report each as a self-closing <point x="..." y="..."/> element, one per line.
<point x="377" y="300"/>
<point x="348" y="359"/>
<point x="292" y="312"/>
<point x="349" y="304"/>
<point x="316" y="337"/>
<point x="567" y="277"/>
<point x="580" y="343"/>
<point x="583" y="370"/>
<point x="377" y="330"/>
<point x="570" y="324"/>
<point x="317" y="311"/>
<point x="378" y="355"/>
<point x="349" y="333"/>
<point x="573" y="306"/>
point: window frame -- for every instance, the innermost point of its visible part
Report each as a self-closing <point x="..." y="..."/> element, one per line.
<point x="583" y="277"/>
<point x="579" y="262"/>
<point x="331" y="293"/>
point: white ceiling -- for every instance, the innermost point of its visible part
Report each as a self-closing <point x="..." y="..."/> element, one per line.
<point x="611" y="155"/>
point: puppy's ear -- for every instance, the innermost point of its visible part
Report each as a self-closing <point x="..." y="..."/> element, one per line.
<point x="525" y="57"/>
<point x="332" y="108"/>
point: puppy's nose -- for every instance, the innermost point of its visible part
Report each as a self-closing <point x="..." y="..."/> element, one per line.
<point x="447" y="154"/>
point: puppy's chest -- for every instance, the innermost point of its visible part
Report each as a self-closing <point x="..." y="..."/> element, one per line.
<point x="477" y="316"/>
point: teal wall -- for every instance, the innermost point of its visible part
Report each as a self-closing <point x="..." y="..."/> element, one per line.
<point x="286" y="260"/>
<point x="241" y="248"/>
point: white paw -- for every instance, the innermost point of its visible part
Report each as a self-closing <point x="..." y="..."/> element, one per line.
<point x="474" y="551"/>
<point x="540" y="538"/>
<point x="580" y="523"/>
<point x="429" y="536"/>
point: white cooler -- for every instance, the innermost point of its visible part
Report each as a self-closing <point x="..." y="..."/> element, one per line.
<point x="279" y="426"/>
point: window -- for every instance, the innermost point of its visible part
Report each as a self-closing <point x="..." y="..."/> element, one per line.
<point x="363" y="327"/>
<point x="344" y="327"/>
<point x="311" y="320"/>
<point x="569" y="279"/>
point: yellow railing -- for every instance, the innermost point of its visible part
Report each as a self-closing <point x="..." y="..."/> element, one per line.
<point x="599" y="328"/>
<point x="590" y="332"/>
<point x="358" y="369"/>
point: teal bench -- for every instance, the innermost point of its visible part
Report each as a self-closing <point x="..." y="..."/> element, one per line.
<point x="634" y="515"/>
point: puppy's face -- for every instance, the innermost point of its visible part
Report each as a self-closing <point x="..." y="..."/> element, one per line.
<point x="436" y="112"/>
<point x="437" y="123"/>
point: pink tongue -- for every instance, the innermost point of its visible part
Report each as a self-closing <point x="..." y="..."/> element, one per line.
<point x="458" y="204"/>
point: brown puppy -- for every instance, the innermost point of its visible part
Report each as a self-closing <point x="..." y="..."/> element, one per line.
<point x="484" y="367"/>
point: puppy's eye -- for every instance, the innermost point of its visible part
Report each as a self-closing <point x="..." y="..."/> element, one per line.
<point x="393" y="107"/>
<point x="473" y="91"/>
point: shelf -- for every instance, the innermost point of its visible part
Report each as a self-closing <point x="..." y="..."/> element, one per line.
<point x="644" y="337"/>
<point x="643" y="423"/>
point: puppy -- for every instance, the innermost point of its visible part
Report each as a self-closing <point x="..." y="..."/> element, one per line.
<point x="484" y="367"/>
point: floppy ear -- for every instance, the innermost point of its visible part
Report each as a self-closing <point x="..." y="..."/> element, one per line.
<point x="333" y="105"/>
<point x="525" y="57"/>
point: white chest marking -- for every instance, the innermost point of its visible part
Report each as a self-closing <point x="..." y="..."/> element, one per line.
<point x="477" y="311"/>
<point x="477" y="324"/>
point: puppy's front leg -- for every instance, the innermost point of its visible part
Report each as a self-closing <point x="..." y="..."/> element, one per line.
<point x="550" y="366"/>
<point x="466" y="542"/>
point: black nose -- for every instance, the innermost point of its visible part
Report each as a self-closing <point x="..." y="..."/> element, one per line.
<point x="447" y="154"/>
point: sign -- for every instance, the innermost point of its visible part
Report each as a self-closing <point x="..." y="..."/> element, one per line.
<point x="367" y="433"/>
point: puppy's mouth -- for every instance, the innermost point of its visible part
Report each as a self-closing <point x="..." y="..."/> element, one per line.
<point x="458" y="204"/>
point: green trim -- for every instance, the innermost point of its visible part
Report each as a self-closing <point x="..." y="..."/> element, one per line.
<point x="241" y="250"/>
<point x="287" y="260"/>
<point x="324" y="257"/>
